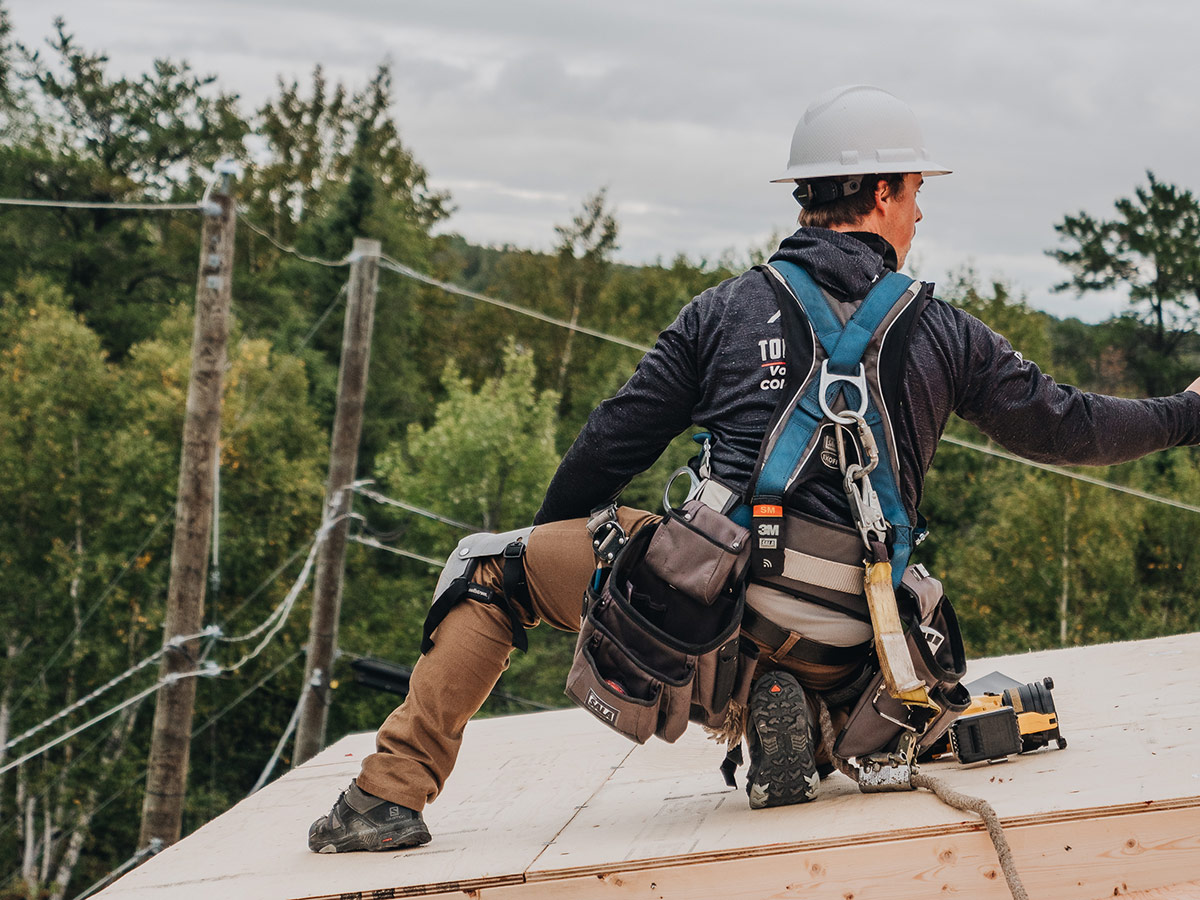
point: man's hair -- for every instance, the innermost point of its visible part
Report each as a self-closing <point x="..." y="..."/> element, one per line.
<point x="850" y="210"/>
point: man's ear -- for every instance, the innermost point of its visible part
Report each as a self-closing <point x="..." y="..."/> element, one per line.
<point x="883" y="194"/>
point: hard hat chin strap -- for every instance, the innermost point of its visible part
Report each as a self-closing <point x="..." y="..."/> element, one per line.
<point x="825" y="190"/>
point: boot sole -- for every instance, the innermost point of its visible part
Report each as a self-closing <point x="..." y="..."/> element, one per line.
<point x="783" y="770"/>
<point x="373" y="840"/>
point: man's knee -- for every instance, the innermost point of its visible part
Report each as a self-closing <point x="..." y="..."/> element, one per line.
<point x="471" y="575"/>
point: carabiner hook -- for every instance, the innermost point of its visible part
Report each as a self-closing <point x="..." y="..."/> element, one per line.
<point x="693" y="489"/>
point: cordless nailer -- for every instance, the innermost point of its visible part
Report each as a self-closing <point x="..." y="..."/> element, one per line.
<point x="1005" y="718"/>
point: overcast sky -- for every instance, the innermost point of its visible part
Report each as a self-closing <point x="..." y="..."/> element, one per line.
<point x="684" y="110"/>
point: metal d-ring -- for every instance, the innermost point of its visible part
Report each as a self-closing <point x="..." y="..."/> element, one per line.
<point x="858" y="380"/>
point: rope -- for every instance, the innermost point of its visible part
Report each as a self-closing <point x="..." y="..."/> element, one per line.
<point x="983" y="809"/>
<point x="950" y="797"/>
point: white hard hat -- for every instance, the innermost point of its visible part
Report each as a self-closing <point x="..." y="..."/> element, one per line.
<point x="857" y="130"/>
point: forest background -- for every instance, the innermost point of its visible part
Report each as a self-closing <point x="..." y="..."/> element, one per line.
<point x="469" y="409"/>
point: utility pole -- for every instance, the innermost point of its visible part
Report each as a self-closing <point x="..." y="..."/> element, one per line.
<point x="343" y="461"/>
<point x="166" y="782"/>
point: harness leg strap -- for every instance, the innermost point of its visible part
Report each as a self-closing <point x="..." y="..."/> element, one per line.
<point x="515" y="590"/>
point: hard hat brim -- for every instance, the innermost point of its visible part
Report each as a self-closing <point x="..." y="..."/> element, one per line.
<point x="811" y="173"/>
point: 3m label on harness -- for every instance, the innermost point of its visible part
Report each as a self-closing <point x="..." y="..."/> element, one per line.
<point x="767" y="529"/>
<point x="600" y="708"/>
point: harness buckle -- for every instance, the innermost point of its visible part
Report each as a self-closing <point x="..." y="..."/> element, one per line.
<point x="857" y="380"/>
<point x="608" y="537"/>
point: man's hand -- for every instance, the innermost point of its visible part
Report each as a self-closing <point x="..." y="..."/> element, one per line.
<point x="1194" y="387"/>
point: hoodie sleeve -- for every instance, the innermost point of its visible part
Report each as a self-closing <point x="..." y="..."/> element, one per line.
<point x="625" y="434"/>
<point x="1026" y="411"/>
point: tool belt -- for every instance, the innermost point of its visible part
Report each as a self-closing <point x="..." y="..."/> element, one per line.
<point x="791" y="645"/>
<point x="659" y="644"/>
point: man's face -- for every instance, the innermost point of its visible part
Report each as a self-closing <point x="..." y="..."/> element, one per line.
<point x="901" y="215"/>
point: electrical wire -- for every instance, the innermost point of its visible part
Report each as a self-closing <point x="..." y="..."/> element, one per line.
<point x="272" y="625"/>
<point x="1066" y="473"/>
<point x="360" y="488"/>
<point x="146" y="692"/>
<point x="401" y="269"/>
<point x="213" y="719"/>
<point x="244" y="418"/>
<point x="407" y="554"/>
<point x="85" y="204"/>
<point x="262" y="232"/>
<point x="269" y="580"/>
<point x="155" y="846"/>
<point x="136" y="779"/>
<point x="106" y="687"/>
<point x="129" y="564"/>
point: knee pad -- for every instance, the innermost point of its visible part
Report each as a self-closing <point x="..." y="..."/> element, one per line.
<point x="455" y="585"/>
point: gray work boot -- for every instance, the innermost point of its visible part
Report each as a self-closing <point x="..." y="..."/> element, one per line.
<point x="779" y="733"/>
<point x="362" y="821"/>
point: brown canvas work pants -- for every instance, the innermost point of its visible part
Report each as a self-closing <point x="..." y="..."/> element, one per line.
<point x="418" y="744"/>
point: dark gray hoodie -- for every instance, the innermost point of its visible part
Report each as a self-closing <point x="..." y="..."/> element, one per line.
<point x="721" y="365"/>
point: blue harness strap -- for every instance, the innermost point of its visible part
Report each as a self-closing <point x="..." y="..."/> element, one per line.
<point x="844" y="347"/>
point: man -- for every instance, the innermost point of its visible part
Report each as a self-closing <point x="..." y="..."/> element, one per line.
<point x="858" y="162"/>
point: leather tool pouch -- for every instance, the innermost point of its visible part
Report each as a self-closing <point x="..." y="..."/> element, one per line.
<point x="650" y="658"/>
<point x="936" y="646"/>
<point x="698" y="552"/>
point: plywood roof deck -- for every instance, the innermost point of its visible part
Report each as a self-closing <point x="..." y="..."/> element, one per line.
<point x="553" y="805"/>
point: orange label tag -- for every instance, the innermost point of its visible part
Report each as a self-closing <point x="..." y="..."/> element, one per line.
<point x="768" y="509"/>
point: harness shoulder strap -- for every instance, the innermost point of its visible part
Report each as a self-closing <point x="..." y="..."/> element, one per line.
<point x="839" y="350"/>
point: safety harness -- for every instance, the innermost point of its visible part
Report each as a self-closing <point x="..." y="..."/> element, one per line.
<point x="846" y="396"/>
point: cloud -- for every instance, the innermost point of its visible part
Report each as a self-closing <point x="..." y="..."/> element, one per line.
<point x="685" y="109"/>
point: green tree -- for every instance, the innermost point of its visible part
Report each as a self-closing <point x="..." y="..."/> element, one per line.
<point x="1025" y="328"/>
<point x="337" y="169"/>
<point x="485" y="459"/>
<point x="1051" y="558"/>
<point x="84" y="135"/>
<point x="1152" y="249"/>
<point x="585" y="249"/>
<point x="5" y="61"/>
<point x="89" y="452"/>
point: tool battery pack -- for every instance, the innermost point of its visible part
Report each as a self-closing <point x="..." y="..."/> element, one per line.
<point x="991" y="735"/>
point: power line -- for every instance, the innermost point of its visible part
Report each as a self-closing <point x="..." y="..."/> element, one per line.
<point x="155" y="846"/>
<point x="1066" y="473"/>
<point x="262" y="232"/>
<point x="129" y="563"/>
<point x="401" y="269"/>
<point x="141" y="695"/>
<point x="243" y="418"/>
<point x="175" y="643"/>
<point x="268" y="580"/>
<point x="272" y="625"/>
<point x="407" y="554"/>
<point x="136" y="779"/>
<point x="360" y="488"/>
<point x="86" y="204"/>
<point x="213" y="719"/>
